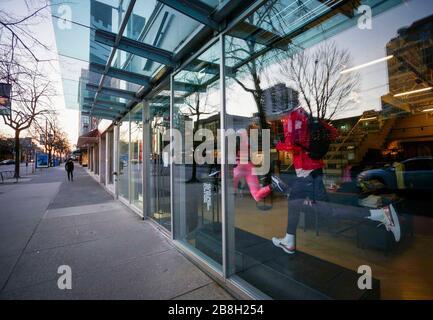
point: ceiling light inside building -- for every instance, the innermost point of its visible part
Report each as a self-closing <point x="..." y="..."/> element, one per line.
<point x="367" y="64"/>
<point x="368" y="119"/>
<point x="412" y="92"/>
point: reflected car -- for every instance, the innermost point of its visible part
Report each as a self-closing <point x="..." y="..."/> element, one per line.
<point x="7" y="162"/>
<point x="417" y="175"/>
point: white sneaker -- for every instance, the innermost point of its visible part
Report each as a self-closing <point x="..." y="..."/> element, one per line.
<point x="280" y="243"/>
<point x="278" y="184"/>
<point x="388" y="216"/>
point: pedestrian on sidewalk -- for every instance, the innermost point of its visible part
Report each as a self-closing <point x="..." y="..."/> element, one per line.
<point x="69" y="167"/>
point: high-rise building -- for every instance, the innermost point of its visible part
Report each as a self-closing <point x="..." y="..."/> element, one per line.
<point x="279" y="99"/>
<point x="410" y="70"/>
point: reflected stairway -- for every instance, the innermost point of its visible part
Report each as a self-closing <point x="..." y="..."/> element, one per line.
<point x="370" y="132"/>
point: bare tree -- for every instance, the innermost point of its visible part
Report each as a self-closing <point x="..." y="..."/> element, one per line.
<point x="249" y="66"/>
<point x="16" y="31"/>
<point x="196" y="106"/>
<point x="20" y="67"/>
<point x="55" y="140"/>
<point x="30" y="100"/>
<point x="317" y="73"/>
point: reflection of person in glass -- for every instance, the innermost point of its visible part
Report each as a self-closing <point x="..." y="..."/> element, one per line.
<point x="308" y="190"/>
<point x="246" y="170"/>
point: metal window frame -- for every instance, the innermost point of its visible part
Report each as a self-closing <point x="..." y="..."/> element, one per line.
<point x="135" y="47"/>
<point x="219" y="271"/>
<point x="139" y="211"/>
<point x="224" y="165"/>
<point x="145" y="151"/>
<point x="230" y="276"/>
<point x="195" y="9"/>
<point x="123" y="25"/>
<point x="226" y="275"/>
<point x="172" y="101"/>
<point x="121" y="93"/>
<point x="121" y="74"/>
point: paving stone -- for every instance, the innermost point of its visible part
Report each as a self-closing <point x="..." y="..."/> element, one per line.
<point x="113" y="254"/>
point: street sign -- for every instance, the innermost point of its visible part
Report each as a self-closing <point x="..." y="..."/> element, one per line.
<point x="41" y="160"/>
<point x="5" y="98"/>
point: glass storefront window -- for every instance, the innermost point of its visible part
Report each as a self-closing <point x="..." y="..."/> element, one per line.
<point x="110" y="156"/>
<point x="345" y="94"/>
<point x="196" y="188"/>
<point x="123" y="174"/>
<point x="136" y="162"/>
<point x="159" y="168"/>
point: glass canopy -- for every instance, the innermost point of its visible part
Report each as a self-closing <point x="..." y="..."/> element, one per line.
<point x="109" y="50"/>
<point x="102" y="71"/>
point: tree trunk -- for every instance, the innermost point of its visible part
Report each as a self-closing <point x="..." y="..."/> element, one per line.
<point x="261" y="111"/>
<point x="194" y="164"/>
<point x="17" y="154"/>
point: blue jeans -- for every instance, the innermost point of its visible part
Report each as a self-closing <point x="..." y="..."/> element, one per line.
<point x="312" y="187"/>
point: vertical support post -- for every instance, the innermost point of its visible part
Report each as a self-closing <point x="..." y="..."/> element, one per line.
<point x="95" y="165"/>
<point x="129" y="158"/>
<point x="146" y="164"/>
<point x="227" y="218"/>
<point x="107" y="157"/>
<point x="116" y="160"/>
<point x="100" y="166"/>
<point x="170" y="159"/>
<point x="89" y="150"/>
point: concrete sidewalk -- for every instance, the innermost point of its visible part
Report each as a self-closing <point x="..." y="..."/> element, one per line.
<point x="48" y="222"/>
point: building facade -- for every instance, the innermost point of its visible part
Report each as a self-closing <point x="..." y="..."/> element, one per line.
<point x="169" y="80"/>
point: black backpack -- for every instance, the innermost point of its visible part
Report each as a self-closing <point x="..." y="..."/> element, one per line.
<point x="319" y="139"/>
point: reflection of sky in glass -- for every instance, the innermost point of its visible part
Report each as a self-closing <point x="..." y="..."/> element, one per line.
<point x="208" y="99"/>
<point x="363" y="45"/>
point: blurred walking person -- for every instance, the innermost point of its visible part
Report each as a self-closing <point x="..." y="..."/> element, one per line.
<point x="69" y="167"/>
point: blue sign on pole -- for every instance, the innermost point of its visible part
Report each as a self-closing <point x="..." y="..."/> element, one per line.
<point x="41" y="160"/>
<point x="5" y="98"/>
